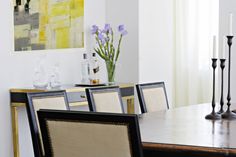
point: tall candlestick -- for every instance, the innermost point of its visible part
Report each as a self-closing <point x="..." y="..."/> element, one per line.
<point x="229" y="114"/>
<point x="214" y="47"/>
<point x="230" y="24"/>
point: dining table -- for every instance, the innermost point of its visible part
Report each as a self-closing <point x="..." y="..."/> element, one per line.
<point x="184" y="132"/>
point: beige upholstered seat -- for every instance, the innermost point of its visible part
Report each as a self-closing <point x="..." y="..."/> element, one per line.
<point x="152" y="97"/>
<point x="105" y="99"/>
<point x="45" y="100"/>
<point x="89" y="134"/>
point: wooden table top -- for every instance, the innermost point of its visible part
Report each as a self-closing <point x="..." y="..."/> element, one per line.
<point x="187" y="127"/>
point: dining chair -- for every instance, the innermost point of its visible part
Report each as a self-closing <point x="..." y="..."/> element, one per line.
<point x="152" y="97"/>
<point x="43" y="100"/>
<point x="105" y="99"/>
<point x="89" y="134"/>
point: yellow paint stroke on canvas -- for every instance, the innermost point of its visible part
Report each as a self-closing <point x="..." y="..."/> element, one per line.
<point x="77" y="8"/>
<point x="43" y="20"/>
<point x="59" y="9"/>
<point x="62" y="38"/>
<point x="49" y="24"/>
<point x="56" y="18"/>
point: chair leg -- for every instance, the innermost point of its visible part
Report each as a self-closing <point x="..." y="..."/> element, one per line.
<point x="130" y="106"/>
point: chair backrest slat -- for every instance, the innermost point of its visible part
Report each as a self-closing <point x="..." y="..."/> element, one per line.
<point x="43" y="100"/>
<point x="152" y="97"/>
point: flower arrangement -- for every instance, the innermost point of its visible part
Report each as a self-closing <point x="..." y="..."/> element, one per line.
<point x="105" y="46"/>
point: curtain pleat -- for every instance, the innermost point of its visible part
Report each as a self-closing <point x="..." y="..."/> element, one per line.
<point x="195" y="24"/>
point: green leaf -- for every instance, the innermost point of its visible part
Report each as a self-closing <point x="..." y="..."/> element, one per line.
<point x="118" y="48"/>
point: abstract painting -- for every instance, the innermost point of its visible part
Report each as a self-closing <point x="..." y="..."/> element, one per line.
<point x="48" y="24"/>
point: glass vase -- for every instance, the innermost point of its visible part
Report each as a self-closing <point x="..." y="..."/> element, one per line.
<point x="40" y="78"/>
<point x="111" y="67"/>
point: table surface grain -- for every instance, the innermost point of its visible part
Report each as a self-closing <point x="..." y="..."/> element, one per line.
<point x="187" y="126"/>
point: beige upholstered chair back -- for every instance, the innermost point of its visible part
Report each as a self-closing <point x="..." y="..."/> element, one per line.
<point x="49" y="102"/>
<point x="107" y="99"/>
<point x="152" y="97"/>
<point x="94" y="137"/>
<point x="45" y="100"/>
<point x="155" y="99"/>
<point x="88" y="139"/>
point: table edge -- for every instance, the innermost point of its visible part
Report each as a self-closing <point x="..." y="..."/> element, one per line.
<point x="176" y="147"/>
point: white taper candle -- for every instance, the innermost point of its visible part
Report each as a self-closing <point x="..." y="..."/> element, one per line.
<point x="223" y="48"/>
<point x="230" y="24"/>
<point x="214" y="47"/>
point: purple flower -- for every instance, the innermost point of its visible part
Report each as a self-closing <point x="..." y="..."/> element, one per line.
<point x="103" y="42"/>
<point x="107" y="28"/>
<point x="121" y="28"/>
<point x="100" y="36"/>
<point x="94" y="29"/>
<point x="124" y="32"/>
<point x="104" y="37"/>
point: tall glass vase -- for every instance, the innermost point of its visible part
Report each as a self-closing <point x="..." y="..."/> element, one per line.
<point x="111" y="67"/>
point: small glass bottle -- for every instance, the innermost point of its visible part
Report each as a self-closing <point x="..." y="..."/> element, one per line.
<point x="94" y="75"/>
<point x="54" y="80"/>
<point x="40" y="74"/>
<point x="85" y="70"/>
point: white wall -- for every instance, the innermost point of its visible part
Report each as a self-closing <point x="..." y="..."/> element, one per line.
<point x="146" y="54"/>
<point x="156" y="42"/>
<point x="227" y="6"/>
<point x="17" y="69"/>
<point x="125" y="12"/>
<point x="147" y="51"/>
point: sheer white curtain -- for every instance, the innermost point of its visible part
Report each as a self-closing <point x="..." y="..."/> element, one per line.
<point x="196" y="21"/>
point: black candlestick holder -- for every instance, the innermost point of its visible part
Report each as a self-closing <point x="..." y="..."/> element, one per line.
<point x="229" y="114"/>
<point x="222" y="66"/>
<point x="213" y="115"/>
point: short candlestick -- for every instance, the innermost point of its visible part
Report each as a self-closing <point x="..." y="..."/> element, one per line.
<point x="229" y="114"/>
<point x="213" y="115"/>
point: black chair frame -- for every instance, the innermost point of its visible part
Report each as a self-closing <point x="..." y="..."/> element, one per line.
<point x="100" y="117"/>
<point x="90" y="99"/>
<point x="140" y="88"/>
<point x="34" y="128"/>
